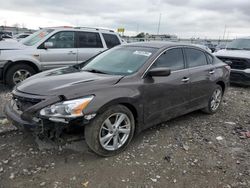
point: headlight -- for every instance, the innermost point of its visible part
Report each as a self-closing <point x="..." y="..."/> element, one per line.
<point x="67" y="109"/>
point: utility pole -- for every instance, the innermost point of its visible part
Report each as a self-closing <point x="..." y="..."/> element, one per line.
<point x="159" y="24"/>
<point x="227" y="35"/>
<point x="225" y="28"/>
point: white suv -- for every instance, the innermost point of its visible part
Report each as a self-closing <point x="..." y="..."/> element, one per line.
<point x="237" y="54"/>
<point x="52" y="48"/>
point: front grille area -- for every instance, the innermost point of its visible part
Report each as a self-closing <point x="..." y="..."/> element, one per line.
<point x="237" y="63"/>
<point x="23" y="103"/>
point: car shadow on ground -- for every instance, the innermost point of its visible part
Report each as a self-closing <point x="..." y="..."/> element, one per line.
<point x="76" y="142"/>
<point x="4" y="88"/>
<point x="239" y="86"/>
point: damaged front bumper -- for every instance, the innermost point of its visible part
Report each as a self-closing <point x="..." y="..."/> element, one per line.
<point x="29" y="119"/>
<point x="14" y="116"/>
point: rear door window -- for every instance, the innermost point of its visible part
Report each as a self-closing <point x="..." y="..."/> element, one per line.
<point x="210" y="59"/>
<point x="111" y="40"/>
<point x="89" y="40"/>
<point x="195" y="57"/>
<point x="172" y="59"/>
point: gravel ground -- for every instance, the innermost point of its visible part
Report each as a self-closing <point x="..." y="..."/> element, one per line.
<point x="195" y="150"/>
<point x="4" y="96"/>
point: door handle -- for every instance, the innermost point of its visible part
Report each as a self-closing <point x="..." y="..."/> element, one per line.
<point x="71" y="53"/>
<point x="211" y="72"/>
<point x="185" y="79"/>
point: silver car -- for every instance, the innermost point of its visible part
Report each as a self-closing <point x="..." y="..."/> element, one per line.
<point x="52" y="48"/>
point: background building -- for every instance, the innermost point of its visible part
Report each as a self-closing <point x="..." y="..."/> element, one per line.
<point x="15" y="30"/>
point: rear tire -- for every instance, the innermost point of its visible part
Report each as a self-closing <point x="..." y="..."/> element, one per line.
<point x="214" y="101"/>
<point x="102" y="128"/>
<point x="18" y="72"/>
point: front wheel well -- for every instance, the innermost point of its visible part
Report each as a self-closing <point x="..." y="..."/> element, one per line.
<point x="12" y="67"/>
<point x="132" y="109"/>
<point x="29" y="63"/>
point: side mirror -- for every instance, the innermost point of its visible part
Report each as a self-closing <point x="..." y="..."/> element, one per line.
<point x="48" y="45"/>
<point x="159" y="72"/>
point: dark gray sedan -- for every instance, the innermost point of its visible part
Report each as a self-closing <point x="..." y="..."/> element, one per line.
<point x="120" y="92"/>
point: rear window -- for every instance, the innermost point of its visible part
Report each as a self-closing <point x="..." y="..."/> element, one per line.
<point x="210" y="59"/>
<point x="89" y="40"/>
<point x="195" y="57"/>
<point x="111" y="40"/>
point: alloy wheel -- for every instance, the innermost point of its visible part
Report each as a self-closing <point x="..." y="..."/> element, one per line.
<point x="216" y="99"/>
<point x="20" y="76"/>
<point x="115" y="131"/>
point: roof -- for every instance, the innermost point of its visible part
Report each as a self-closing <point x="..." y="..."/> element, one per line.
<point x="157" y="44"/>
<point x="82" y="29"/>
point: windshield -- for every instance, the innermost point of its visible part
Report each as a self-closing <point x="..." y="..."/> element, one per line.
<point x="239" y="44"/>
<point x="36" y="37"/>
<point x="122" y="60"/>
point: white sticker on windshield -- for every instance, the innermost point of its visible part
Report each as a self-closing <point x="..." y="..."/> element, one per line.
<point x="142" y="53"/>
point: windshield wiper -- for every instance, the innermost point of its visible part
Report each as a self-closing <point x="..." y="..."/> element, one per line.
<point x="95" y="71"/>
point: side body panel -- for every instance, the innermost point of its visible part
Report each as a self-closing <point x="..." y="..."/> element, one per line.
<point x="56" y="58"/>
<point x="165" y="97"/>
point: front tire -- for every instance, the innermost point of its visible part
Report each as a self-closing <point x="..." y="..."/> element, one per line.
<point x="214" y="101"/>
<point x="111" y="131"/>
<point x="17" y="73"/>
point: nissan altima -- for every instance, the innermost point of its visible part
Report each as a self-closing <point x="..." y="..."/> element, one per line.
<point x="120" y="92"/>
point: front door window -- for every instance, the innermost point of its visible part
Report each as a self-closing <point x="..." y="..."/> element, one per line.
<point x="64" y="39"/>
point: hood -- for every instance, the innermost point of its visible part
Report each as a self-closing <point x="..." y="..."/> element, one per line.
<point x="9" y="45"/>
<point x="66" y="81"/>
<point x="233" y="53"/>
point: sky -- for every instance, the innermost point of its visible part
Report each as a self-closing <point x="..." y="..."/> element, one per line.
<point x="185" y="18"/>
